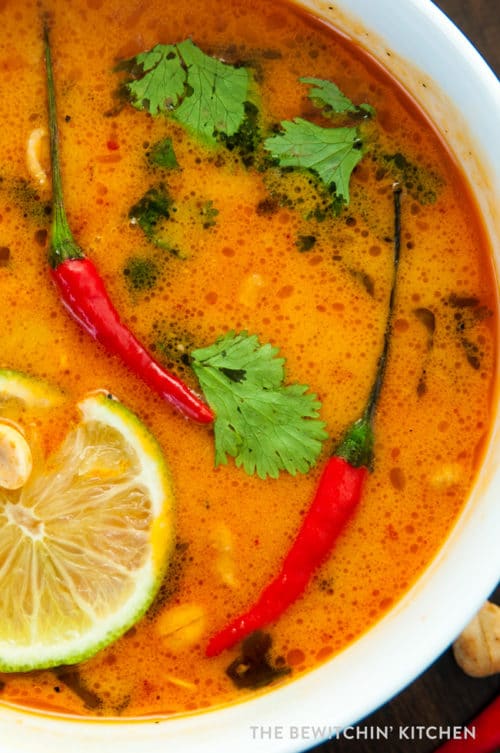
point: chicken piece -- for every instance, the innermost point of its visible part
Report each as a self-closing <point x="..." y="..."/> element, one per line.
<point x="34" y="149"/>
<point x="182" y="626"/>
<point x="224" y="562"/>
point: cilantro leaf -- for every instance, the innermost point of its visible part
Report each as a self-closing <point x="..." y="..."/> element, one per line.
<point x="326" y="94"/>
<point x="162" y="79"/>
<point x="330" y="153"/>
<point x="204" y="94"/>
<point x="265" y="425"/>
<point x="216" y="93"/>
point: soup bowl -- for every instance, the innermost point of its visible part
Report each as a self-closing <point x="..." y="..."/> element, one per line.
<point x="450" y="81"/>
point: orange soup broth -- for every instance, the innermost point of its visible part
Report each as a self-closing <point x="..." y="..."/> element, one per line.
<point x="324" y="308"/>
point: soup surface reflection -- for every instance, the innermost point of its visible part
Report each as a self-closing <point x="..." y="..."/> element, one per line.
<point x="246" y="244"/>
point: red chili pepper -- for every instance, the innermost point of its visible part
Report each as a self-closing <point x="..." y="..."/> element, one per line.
<point x="336" y="498"/>
<point x="84" y="294"/>
<point x="485" y="733"/>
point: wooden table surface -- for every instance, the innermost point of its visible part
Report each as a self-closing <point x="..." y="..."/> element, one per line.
<point x="443" y="695"/>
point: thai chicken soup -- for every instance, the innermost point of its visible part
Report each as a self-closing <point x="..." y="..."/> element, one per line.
<point x="247" y="350"/>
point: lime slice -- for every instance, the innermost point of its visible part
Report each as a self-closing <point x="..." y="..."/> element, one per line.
<point x="85" y="543"/>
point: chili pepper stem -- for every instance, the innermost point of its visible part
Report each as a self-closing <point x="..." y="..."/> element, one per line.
<point x="382" y="361"/>
<point x="63" y="245"/>
<point x="356" y="445"/>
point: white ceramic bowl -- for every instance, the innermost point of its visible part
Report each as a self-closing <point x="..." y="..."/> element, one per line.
<point x="454" y="85"/>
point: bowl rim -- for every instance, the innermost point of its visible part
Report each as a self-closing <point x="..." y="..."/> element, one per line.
<point x="467" y="567"/>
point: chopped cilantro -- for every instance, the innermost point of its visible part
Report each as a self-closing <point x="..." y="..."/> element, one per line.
<point x="305" y="242"/>
<point x="204" y="94"/>
<point x="150" y="209"/>
<point x="422" y="184"/>
<point x="467" y="312"/>
<point x="172" y="345"/>
<point x="28" y="200"/>
<point x="265" y="425"/>
<point x="330" y="153"/>
<point x="156" y="205"/>
<point x="247" y="138"/>
<point x="326" y="94"/>
<point x="208" y="214"/>
<point x="301" y="191"/>
<point x="141" y="273"/>
<point x="162" y="154"/>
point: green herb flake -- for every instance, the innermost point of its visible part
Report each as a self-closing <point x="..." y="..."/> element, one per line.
<point x="305" y="243"/>
<point x="202" y="93"/>
<point x="150" y="211"/>
<point x="330" y="153"/>
<point x="172" y="345"/>
<point x="422" y="184"/>
<point x="246" y="139"/>
<point x="27" y="199"/>
<point x="209" y="214"/>
<point x="266" y="425"/>
<point x="141" y="273"/>
<point x="327" y="95"/>
<point x="162" y="154"/>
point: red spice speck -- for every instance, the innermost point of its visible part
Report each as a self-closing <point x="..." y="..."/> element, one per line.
<point x="113" y="145"/>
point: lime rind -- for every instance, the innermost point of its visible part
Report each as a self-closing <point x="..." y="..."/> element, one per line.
<point x="22" y="659"/>
<point x="33" y="392"/>
<point x="28" y="649"/>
